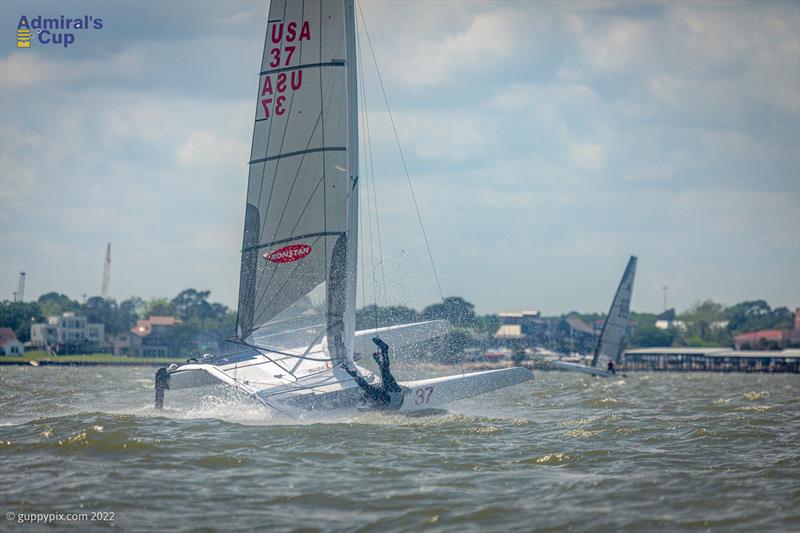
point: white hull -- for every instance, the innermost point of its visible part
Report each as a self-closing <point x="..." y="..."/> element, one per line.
<point x="431" y="393"/>
<point x="331" y="390"/>
<point x="575" y="367"/>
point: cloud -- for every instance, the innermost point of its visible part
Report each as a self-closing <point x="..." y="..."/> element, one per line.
<point x="541" y="137"/>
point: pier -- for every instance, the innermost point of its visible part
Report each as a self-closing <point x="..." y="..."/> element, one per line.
<point x="711" y="360"/>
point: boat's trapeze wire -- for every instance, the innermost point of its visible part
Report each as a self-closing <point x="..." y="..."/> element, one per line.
<point x="367" y="178"/>
<point x="371" y="162"/>
<point x="405" y="169"/>
<point x="400" y="149"/>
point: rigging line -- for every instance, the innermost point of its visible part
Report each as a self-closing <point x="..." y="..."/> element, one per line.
<point x="285" y="354"/>
<point x="270" y="359"/>
<point x="400" y="149"/>
<point x="367" y="185"/>
<point x="324" y="185"/>
<point x="374" y="185"/>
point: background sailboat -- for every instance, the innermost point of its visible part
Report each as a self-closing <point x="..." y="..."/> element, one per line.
<point x="612" y="339"/>
<point x="297" y="289"/>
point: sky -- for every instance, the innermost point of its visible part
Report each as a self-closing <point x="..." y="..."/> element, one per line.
<point x="546" y="142"/>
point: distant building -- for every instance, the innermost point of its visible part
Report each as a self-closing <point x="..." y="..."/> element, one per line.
<point x="575" y="335"/>
<point x="149" y="338"/>
<point x="9" y="344"/>
<point x="68" y="334"/>
<point x="526" y="325"/>
<point x="770" y="339"/>
<point x="670" y="324"/>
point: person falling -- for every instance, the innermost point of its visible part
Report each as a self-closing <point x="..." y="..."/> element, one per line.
<point x="389" y="395"/>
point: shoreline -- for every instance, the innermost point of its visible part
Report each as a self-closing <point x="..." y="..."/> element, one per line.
<point x="35" y="363"/>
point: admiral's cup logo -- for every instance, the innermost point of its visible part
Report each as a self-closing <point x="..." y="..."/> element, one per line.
<point x="23" y="33"/>
<point x="288" y="254"/>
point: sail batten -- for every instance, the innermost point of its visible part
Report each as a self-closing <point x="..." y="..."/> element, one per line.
<point x="299" y="152"/>
<point x="296" y="287"/>
<point x="334" y="63"/>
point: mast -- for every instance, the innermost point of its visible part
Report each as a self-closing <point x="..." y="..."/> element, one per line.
<point x="352" y="166"/>
<point x="106" y="273"/>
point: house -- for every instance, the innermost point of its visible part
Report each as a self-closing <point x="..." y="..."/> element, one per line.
<point x="527" y="325"/>
<point x="770" y="339"/>
<point x="68" y="333"/>
<point x="9" y="344"/>
<point x="150" y="337"/>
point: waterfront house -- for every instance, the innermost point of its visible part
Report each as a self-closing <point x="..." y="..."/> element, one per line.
<point x="68" y="333"/>
<point x="9" y="344"/>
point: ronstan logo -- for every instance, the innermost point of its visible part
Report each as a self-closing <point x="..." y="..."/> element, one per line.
<point x="288" y="254"/>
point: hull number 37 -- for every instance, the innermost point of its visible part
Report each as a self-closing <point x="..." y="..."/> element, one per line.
<point x="423" y="395"/>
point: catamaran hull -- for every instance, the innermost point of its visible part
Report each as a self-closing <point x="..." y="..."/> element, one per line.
<point x="326" y="395"/>
<point x="575" y="367"/>
<point x="432" y="393"/>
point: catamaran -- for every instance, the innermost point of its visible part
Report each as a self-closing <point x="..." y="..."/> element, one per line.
<point x="613" y="337"/>
<point x="297" y="284"/>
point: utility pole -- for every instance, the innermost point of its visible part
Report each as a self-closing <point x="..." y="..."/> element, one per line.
<point x="664" y="288"/>
<point x="106" y="273"/>
<point x="19" y="296"/>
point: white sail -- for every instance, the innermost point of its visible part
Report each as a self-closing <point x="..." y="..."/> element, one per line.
<point x="614" y="335"/>
<point x="297" y="280"/>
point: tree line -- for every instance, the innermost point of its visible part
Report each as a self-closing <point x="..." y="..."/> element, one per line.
<point x="702" y="324"/>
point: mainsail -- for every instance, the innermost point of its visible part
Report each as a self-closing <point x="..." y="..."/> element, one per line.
<point x="613" y="338"/>
<point x="298" y="271"/>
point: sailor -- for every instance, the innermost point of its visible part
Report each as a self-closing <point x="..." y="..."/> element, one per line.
<point x="389" y="395"/>
<point x="611" y="367"/>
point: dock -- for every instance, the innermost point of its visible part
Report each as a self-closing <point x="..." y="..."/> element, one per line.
<point x="711" y="360"/>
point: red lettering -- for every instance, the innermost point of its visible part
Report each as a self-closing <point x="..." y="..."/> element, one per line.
<point x="277" y="38"/>
<point x="279" y="110"/>
<point x="290" y="50"/>
<point x="267" y="86"/>
<point x="265" y="104"/>
<point x="291" y="31"/>
<point x="305" y="32"/>
<point x="296" y="83"/>
<point x="281" y="85"/>
<point x="276" y="57"/>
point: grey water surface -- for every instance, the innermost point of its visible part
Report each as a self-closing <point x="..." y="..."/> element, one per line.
<point x="652" y="451"/>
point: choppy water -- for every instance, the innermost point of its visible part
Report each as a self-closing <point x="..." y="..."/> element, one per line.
<point x="564" y="452"/>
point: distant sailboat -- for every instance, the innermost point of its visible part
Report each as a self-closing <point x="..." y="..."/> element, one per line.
<point x="613" y="337"/>
<point x="297" y="290"/>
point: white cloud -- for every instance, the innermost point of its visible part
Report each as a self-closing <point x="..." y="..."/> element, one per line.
<point x="206" y="148"/>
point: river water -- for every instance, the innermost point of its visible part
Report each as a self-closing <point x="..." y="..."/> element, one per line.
<point x="660" y="452"/>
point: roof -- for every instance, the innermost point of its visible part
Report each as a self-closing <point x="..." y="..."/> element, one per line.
<point x="768" y="334"/>
<point x="163" y="320"/>
<point x="144" y="326"/>
<point x="7" y="336"/>
<point x="579" y="325"/>
<point x="794" y="354"/>
<point x="676" y="351"/>
<point x="509" y="331"/>
<point x="713" y="352"/>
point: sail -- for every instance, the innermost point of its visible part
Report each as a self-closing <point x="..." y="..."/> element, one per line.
<point x="297" y="280"/>
<point x="612" y="339"/>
